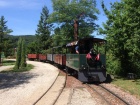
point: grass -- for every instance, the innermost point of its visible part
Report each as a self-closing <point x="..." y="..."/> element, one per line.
<point x="7" y="62"/>
<point x="27" y="68"/>
<point x="133" y="86"/>
<point x="10" y="62"/>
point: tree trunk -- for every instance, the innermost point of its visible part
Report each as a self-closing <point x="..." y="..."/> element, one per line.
<point x="0" y="59"/>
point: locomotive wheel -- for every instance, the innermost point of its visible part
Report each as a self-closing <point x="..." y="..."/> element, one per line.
<point x="67" y="70"/>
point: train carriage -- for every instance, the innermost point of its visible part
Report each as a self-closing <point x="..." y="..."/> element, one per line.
<point x="42" y="57"/>
<point x="33" y="56"/>
<point x="58" y="56"/>
<point x="50" y="57"/>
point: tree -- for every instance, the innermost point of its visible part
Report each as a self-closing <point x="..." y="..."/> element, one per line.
<point x="123" y="34"/>
<point x="66" y="11"/>
<point x="8" y="48"/>
<point x="43" y="30"/>
<point x="18" y="56"/>
<point x="23" y="54"/>
<point x="33" y="47"/>
<point x="3" y="31"/>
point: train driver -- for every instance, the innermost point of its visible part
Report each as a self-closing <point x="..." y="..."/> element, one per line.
<point x="77" y="49"/>
<point x="80" y="48"/>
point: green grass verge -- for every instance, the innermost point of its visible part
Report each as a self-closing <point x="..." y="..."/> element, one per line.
<point x="7" y="62"/>
<point x="133" y="86"/>
<point x="27" y="68"/>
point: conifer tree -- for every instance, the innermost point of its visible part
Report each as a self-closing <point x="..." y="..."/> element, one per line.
<point x="23" y="56"/>
<point x="3" y="31"/>
<point x="66" y="11"/>
<point x="18" y="56"/>
<point x="43" y="30"/>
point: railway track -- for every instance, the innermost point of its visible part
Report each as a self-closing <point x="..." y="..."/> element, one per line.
<point x="51" y="96"/>
<point x="109" y="97"/>
<point x="63" y="93"/>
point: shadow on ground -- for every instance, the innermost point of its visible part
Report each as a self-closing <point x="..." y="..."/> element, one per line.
<point x="9" y="80"/>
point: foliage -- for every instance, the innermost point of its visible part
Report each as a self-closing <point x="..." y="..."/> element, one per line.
<point x="3" y="31"/>
<point x="24" y="69"/>
<point x="10" y="43"/>
<point x="21" y="57"/>
<point x="14" y="39"/>
<point x="8" y="47"/>
<point x="65" y="11"/>
<point x="113" y="64"/>
<point x="133" y="86"/>
<point x="43" y="30"/>
<point x="32" y="48"/>
<point x="18" y="56"/>
<point x="123" y="34"/>
<point x="8" y="62"/>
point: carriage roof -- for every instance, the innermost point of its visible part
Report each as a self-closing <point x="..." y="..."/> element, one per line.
<point x="91" y="39"/>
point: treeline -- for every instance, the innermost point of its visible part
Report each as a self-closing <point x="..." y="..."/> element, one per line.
<point x="14" y="39"/>
<point x="122" y="30"/>
<point x="10" y="43"/>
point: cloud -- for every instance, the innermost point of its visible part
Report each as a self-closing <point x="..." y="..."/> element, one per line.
<point x="4" y="3"/>
<point x="20" y="4"/>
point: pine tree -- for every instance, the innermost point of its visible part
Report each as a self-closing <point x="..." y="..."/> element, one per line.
<point x="66" y="11"/>
<point x="43" y="30"/>
<point x="3" y="31"/>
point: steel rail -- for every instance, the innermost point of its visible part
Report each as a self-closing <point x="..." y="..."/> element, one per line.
<point x="61" y="90"/>
<point x="115" y="95"/>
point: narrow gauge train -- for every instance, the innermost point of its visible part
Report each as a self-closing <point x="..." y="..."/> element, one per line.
<point x="88" y="65"/>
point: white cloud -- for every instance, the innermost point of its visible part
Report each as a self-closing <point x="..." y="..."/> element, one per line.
<point x="4" y="3"/>
<point x="21" y="4"/>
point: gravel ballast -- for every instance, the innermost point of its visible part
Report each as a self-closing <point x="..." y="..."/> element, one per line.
<point x="25" y="88"/>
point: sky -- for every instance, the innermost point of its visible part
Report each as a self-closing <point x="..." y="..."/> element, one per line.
<point x="22" y="16"/>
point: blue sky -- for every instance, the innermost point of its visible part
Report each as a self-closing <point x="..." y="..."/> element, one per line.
<point x="24" y="15"/>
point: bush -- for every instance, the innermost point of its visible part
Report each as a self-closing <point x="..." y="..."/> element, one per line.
<point x="113" y="65"/>
<point x="23" y="69"/>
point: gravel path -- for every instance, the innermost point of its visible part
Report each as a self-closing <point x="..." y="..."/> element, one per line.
<point x="25" y="88"/>
<point x="5" y="68"/>
<point x="82" y="97"/>
<point x="53" y="93"/>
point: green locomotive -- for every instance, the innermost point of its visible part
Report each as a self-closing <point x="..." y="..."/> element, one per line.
<point x="89" y="63"/>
